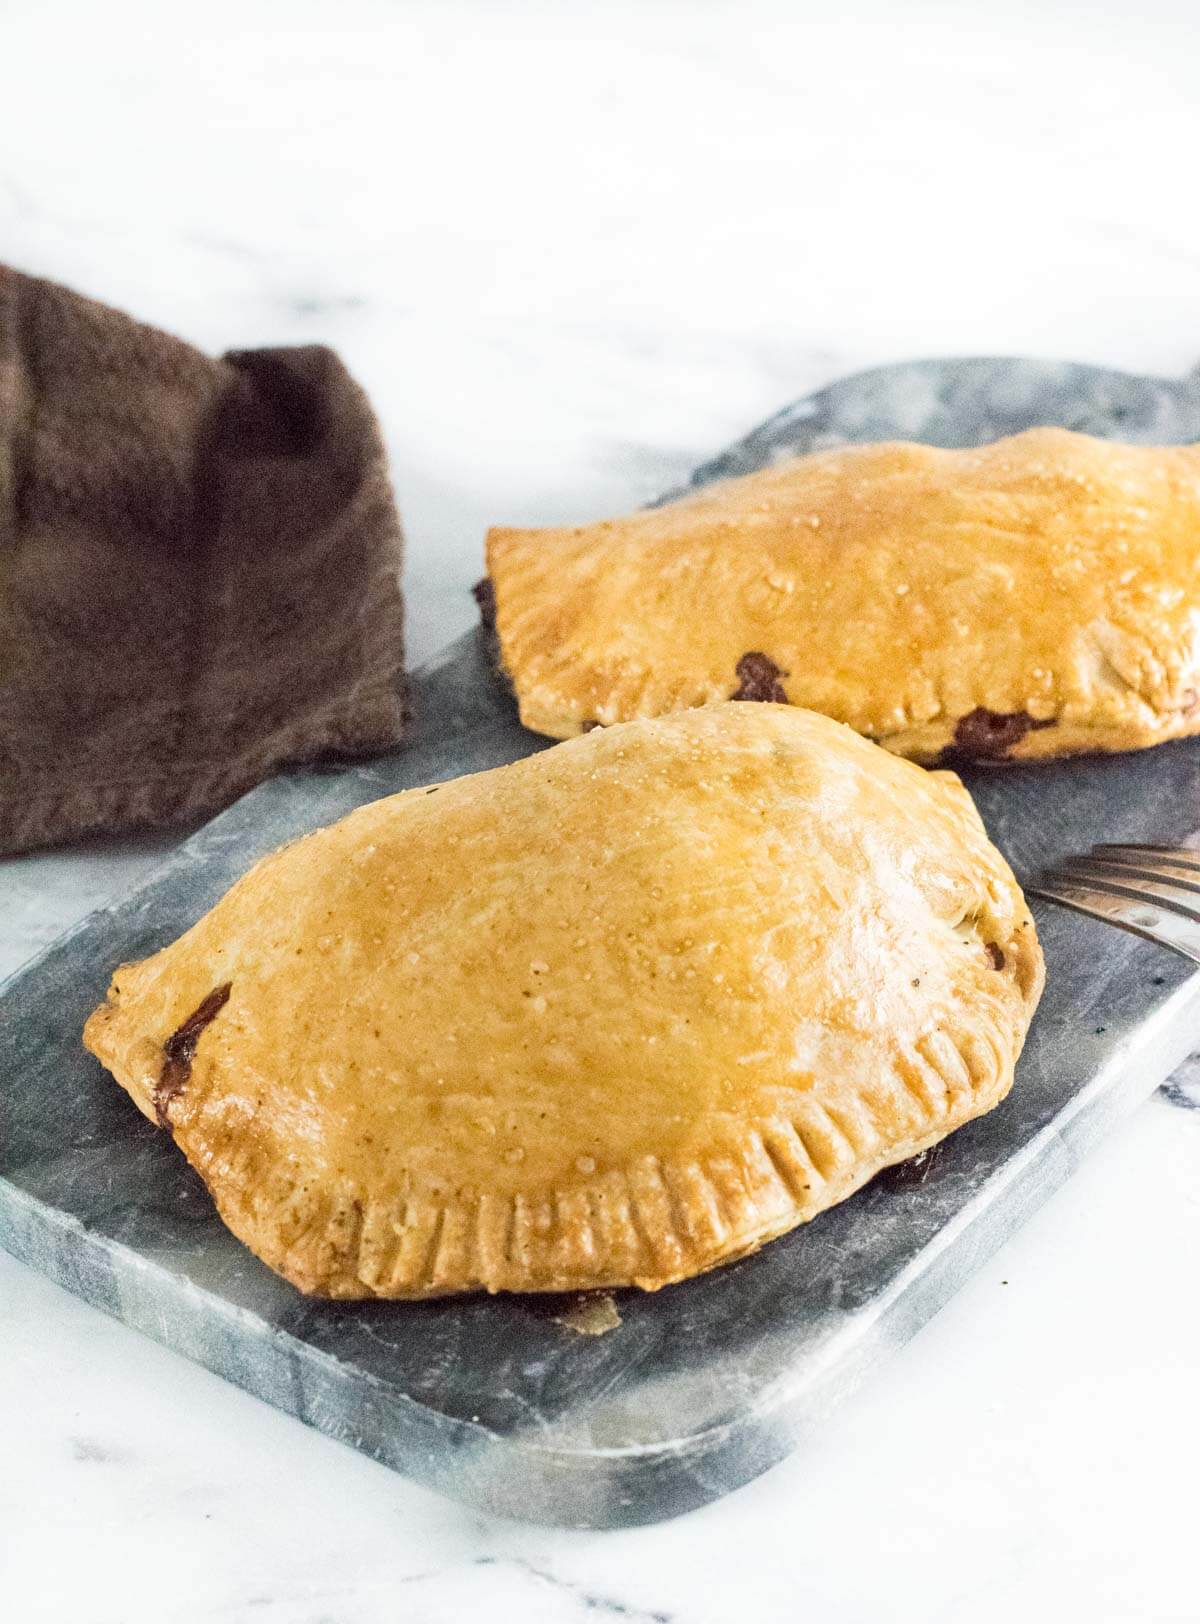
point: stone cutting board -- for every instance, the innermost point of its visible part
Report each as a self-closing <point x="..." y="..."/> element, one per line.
<point x="706" y="1384"/>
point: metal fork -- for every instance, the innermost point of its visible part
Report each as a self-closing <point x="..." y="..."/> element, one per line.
<point x="1153" y="891"/>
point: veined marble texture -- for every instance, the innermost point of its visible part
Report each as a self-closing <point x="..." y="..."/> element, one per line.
<point x="572" y="252"/>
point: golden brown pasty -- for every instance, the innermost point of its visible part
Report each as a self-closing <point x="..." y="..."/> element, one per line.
<point x="1037" y="597"/>
<point x="617" y="1013"/>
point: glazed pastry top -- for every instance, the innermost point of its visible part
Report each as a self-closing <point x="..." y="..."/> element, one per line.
<point x="1034" y="597"/>
<point x="615" y="1013"/>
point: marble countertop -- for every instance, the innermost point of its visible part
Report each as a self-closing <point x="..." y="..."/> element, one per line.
<point x="571" y="251"/>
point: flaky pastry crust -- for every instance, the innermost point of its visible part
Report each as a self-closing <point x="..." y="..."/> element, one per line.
<point x="1036" y="597"/>
<point x="615" y="1014"/>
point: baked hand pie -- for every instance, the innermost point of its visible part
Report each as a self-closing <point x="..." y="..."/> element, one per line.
<point x="1037" y="597"/>
<point x="615" y="1014"/>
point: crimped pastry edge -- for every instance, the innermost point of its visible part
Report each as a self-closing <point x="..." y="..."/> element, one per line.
<point x="676" y="1220"/>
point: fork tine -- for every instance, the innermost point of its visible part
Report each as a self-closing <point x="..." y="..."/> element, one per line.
<point x="1149" y="868"/>
<point x="1145" y="864"/>
<point x="1178" y="856"/>
<point x="1155" y="923"/>
<point x="1166" y="888"/>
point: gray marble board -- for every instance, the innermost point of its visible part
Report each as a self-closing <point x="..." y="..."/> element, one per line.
<point x="704" y="1385"/>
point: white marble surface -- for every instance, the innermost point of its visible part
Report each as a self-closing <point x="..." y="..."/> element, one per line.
<point x="571" y="250"/>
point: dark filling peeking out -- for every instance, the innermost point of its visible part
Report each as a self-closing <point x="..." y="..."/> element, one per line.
<point x="758" y="679"/>
<point x="180" y="1050"/>
<point x="484" y="594"/>
<point x="904" y="1175"/>
<point x="984" y="735"/>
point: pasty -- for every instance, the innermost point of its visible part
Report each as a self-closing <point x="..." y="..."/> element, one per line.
<point x="615" y="1014"/>
<point x="1037" y="597"/>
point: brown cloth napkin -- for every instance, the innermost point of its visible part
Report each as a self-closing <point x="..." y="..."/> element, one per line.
<point x="199" y="569"/>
